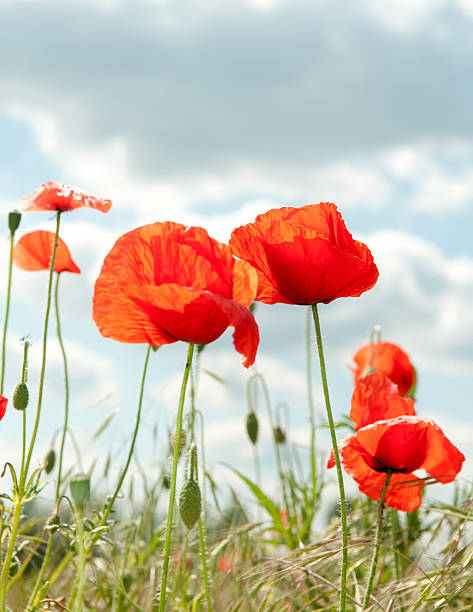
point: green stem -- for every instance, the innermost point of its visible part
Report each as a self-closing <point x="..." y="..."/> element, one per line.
<point x="39" y="580"/>
<point x="109" y="505"/>
<point x="66" y="385"/>
<point x="310" y="397"/>
<point x="80" y="581"/>
<point x="172" y="490"/>
<point x="374" y="562"/>
<point x="395" y="544"/>
<point x="43" y="362"/>
<point x="7" y="311"/>
<point x="203" y="554"/>
<point x="343" y="510"/>
<point x="9" y="554"/>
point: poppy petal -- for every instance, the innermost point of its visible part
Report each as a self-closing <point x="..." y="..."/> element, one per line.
<point x="305" y="255"/>
<point x="443" y="460"/>
<point x="404" y="490"/>
<point x="164" y="282"/>
<point x="3" y="406"/>
<point x="389" y="359"/>
<point x="376" y="398"/>
<point x="58" y="196"/>
<point x="33" y="251"/>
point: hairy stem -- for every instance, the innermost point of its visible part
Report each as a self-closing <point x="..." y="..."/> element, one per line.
<point x="341" y="487"/>
<point x="172" y="489"/>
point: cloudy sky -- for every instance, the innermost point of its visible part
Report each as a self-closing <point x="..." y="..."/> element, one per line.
<point x="210" y="112"/>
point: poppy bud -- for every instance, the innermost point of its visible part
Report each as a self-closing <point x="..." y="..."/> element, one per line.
<point x="190" y="503"/>
<point x="80" y="489"/>
<point x="49" y="461"/>
<point x="13" y="567"/>
<point x="20" y="396"/>
<point x="279" y="435"/>
<point x="14" y="219"/>
<point x="182" y="443"/>
<point x="252" y="427"/>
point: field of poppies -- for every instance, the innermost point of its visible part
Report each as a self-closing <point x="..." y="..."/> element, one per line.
<point x="162" y="283"/>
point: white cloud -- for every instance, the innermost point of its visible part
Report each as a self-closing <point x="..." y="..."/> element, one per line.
<point x="403" y="16"/>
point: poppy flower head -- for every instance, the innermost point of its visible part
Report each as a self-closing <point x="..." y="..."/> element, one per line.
<point x="376" y="398"/>
<point x="389" y="359"/>
<point x="401" y="446"/>
<point x="3" y="406"/>
<point x="58" y="196"/>
<point x="166" y="282"/>
<point x="304" y="255"/>
<point x="34" y="250"/>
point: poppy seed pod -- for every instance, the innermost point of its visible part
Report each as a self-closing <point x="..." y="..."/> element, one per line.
<point x="20" y="396"/>
<point x="279" y="435"/>
<point x="49" y="461"/>
<point x="190" y="503"/>
<point x="80" y="489"/>
<point x="252" y="427"/>
<point x="14" y="219"/>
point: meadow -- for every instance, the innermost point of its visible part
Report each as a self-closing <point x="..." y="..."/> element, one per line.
<point x="172" y="539"/>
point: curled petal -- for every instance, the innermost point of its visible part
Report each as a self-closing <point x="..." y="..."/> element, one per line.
<point x="58" y="196"/>
<point x="443" y="460"/>
<point x="165" y="314"/>
<point x="376" y="398"/>
<point x="34" y="251"/>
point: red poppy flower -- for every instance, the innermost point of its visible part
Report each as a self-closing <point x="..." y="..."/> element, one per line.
<point x="304" y="255"/>
<point x="400" y="445"/>
<point x="389" y="359"/>
<point x="58" y="196"/>
<point x="3" y="406"/>
<point x="376" y="398"/>
<point x="164" y="282"/>
<point x="34" y="251"/>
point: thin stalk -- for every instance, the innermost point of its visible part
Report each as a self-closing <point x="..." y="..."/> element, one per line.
<point x="203" y="554"/>
<point x="343" y="509"/>
<point x="66" y="385"/>
<point x="374" y="562"/>
<point x="80" y="580"/>
<point x="109" y="506"/>
<point x="39" y="580"/>
<point x="43" y="362"/>
<point x="7" y="311"/>
<point x="172" y="490"/>
<point x="395" y="544"/>
<point x="310" y="397"/>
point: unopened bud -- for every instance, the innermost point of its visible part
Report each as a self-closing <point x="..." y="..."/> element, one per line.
<point x="279" y="435"/>
<point x="190" y="503"/>
<point x="252" y="427"/>
<point x="20" y="396"/>
<point x="80" y="489"/>
<point x="14" y="219"/>
<point x="49" y="461"/>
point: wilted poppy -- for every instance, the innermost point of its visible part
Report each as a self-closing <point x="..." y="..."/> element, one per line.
<point x="3" y="406"/>
<point x="165" y="282"/>
<point x="376" y="398"/>
<point x="34" y="250"/>
<point x="304" y="255"/>
<point x="58" y="196"/>
<point x="400" y="446"/>
<point x="389" y="359"/>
